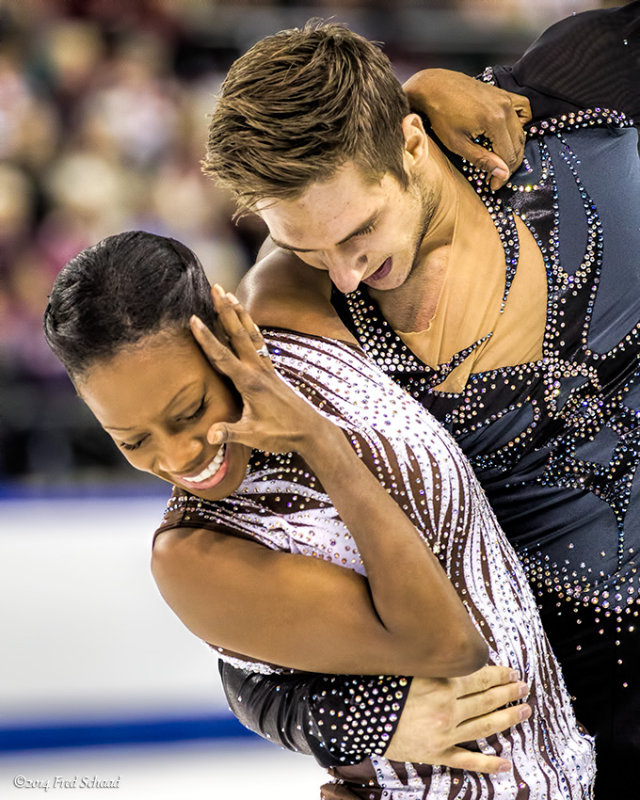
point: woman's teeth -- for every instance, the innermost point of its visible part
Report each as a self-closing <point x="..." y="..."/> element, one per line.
<point x="210" y="471"/>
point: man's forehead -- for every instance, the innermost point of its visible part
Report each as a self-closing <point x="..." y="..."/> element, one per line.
<point x="328" y="212"/>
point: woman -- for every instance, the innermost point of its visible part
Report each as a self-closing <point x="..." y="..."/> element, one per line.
<point x="324" y="458"/>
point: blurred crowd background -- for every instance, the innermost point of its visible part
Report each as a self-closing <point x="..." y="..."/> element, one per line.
<point x="103" y="108"/>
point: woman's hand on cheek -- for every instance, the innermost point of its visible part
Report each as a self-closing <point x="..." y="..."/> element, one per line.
<point x="274" y="418"/>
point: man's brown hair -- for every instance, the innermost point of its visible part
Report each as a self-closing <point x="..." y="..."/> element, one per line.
<point x="297" y="106"/>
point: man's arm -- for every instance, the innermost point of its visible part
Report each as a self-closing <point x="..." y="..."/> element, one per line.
<point x="314" y="714"/>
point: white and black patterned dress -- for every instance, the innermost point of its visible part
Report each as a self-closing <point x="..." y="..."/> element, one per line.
<point x="282" y="505"/>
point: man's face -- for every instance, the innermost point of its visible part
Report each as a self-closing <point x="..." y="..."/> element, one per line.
<point x="355" y="229"/>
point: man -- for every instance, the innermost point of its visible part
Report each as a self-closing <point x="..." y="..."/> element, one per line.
<point x="513" y="317"/>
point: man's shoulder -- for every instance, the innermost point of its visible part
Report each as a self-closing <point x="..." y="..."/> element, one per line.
<point x="281" y="291"/>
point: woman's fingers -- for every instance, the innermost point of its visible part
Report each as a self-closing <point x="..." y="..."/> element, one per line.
<point x="274" y="417"/>
<point x="225" y="307"/>
<point x="506" y="134"/>
<point x="244" y="335"/>
<point x="254" y="333"/>
<point x="223" y="360"/>
<point x="522" y="107"/>
<point x="461" y="108"/>
<point x="246" y="343"/>
<point x="217" y="354"/>
<point x="225" y="432"/>
<point x="486" y="160"/>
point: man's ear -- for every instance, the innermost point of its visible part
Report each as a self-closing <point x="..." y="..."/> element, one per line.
<point x="416" y="141"/>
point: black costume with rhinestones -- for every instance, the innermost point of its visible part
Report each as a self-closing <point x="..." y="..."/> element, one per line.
<point x="555" y="443"/>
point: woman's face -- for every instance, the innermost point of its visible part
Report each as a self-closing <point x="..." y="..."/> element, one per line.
<point x="157" y="401"/>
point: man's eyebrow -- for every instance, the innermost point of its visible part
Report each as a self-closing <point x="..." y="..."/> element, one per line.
<point x="362" y="227"/>
<point x="175" y="397"/>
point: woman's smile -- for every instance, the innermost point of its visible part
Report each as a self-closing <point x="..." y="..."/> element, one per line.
<point x="158" y="401"/>
<point x="209" y="476"/>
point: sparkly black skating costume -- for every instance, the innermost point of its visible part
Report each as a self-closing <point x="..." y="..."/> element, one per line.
<point x="555" y="443"/>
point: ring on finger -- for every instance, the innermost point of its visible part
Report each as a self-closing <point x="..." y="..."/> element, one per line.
<point x="263" y="352"/>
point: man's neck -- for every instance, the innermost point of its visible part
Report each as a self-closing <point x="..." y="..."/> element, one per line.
<point x="412" y="305"/>
<point x="459" y="213"/>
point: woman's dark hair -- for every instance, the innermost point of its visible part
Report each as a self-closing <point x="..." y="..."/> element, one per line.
<point x="118" y="291"/>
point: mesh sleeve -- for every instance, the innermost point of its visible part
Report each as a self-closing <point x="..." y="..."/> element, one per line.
<point x="585" y="61"/>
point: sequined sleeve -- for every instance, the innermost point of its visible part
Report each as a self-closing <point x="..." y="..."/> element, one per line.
<point x="339" y="719"/>
<point x="585" y="61"/>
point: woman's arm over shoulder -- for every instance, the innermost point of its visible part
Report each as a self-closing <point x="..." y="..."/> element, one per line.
<point x="282" y="291"/>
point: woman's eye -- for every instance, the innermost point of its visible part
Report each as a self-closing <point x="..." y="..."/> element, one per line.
<point x="197" y="413"/>
<point x="365" y="231"/>
<point x="134" y="446"/>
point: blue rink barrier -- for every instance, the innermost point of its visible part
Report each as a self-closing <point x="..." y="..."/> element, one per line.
<point x="140" y="489"/>
<point x="48" y="735"/>
<point x="153" y="726"/>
